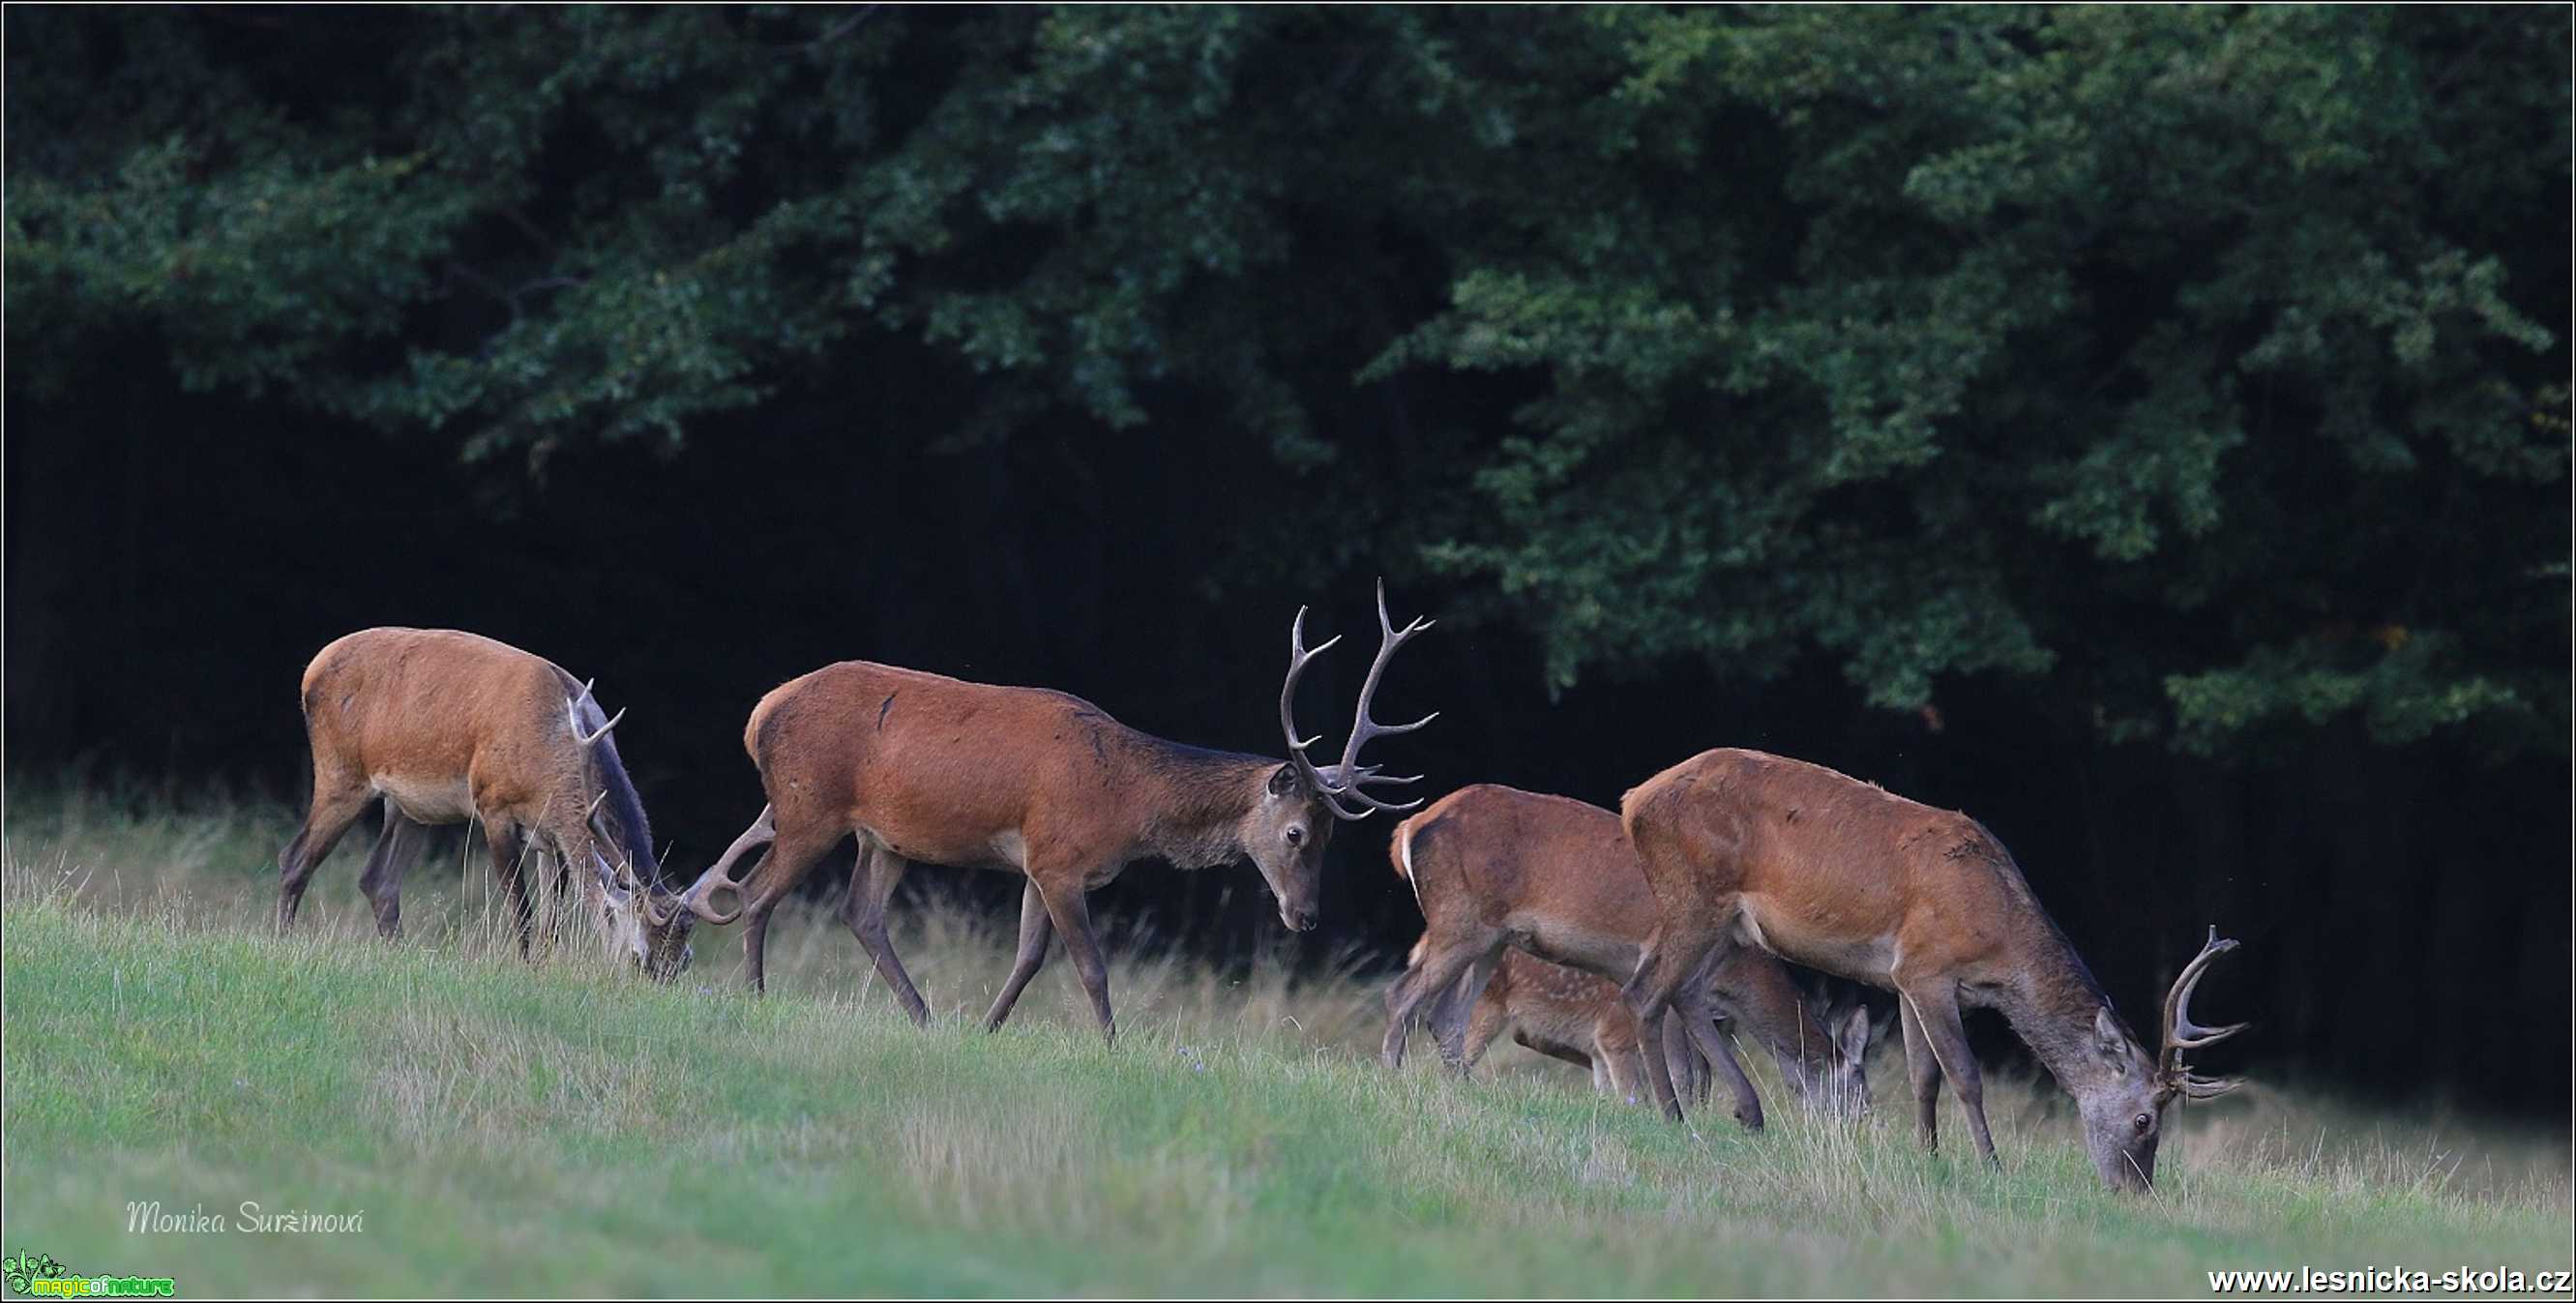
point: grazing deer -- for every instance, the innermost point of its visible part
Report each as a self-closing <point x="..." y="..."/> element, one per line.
<point x="1028" y="781"/>
<point x="1496" y="867"/>
<point x="448" y="726"/>
<point x="1580" y="1017"/>
<point x="1839" y="875"/>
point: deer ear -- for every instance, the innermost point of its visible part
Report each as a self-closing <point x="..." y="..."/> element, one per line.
<point x="1283" y="780"/>
<point x="2109" y="1039"/>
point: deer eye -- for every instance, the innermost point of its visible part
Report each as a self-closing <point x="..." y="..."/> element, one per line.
<point x="2144" y="1122"/>
<point x="1296" y="835"/>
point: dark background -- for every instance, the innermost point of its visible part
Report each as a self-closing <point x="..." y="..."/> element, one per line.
<point x="195" y="508"/>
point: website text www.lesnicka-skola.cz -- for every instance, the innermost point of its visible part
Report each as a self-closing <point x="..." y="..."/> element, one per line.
<point x="2392" y="1280"/>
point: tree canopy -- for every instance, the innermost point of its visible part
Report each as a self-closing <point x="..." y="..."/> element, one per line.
<point x="2202" y="369"/>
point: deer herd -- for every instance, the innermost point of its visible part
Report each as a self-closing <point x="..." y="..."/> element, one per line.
<point x="1638" y="943"/>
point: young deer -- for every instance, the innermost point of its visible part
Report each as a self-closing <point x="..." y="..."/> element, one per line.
<point x="1496" y="867"/>
<point x="448" y="726"/>
<point x="1028" y="781"/>
<point x="1580" y="1017"/>
<point x="1839" y="875"/>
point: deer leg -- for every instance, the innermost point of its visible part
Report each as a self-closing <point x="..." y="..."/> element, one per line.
<point x="789" y="858"/>
<point x="508" y="849"/>
<point x="1618" y="1055"/>
<point x="1035" y="932"/>
<point x="1484" y="1023"/>
<point x="1936" y="1009"/>
<point x="1923" y="1073"/>
<point x="1701" y="1023"/>
<point x="1451" y="1008"/>
<point x="565" y="833"/>
<point x="382" y="878"/>
<point x="1071" y="912"/>
<point x="1661" y="970"/>
<point x="1682" y="1059"/>
<point x="1442" y="964"/>
<point x="337" y="803"/>
<point x="873" y="879"/>
<point x="755" y="951"/>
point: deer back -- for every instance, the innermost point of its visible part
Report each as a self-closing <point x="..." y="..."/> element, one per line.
<point x="1833" y="872"/>
<point x="427" y="711"/>
<point x="947" y="771"/>
<point x="1554" y="872"/>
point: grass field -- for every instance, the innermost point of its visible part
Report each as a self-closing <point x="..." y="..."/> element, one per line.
<point x="515" y="1128"/>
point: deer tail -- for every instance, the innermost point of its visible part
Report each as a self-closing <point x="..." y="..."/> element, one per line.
<point x="1399" y="849"/>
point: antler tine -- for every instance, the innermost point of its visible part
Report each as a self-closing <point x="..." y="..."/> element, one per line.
<point x="1332" y="799"/>
<point x="1369" y="774"/>
<point x="1364" y="727"/>
<point x="1386" y="627"/>
<point x="1375" y="804"/>
<point x="1299" y="655"/>
<point x="699" y="899"/>
<point x="2181" y="1033"/>
<point x="604" y="728"/>
<point x="2178" y="1024"/>
<point x="600" y="837"/>
<point x="572" y="716"/>
<point x="664" y="915"/>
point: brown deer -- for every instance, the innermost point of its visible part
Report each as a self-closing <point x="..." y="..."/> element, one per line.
<point x="1579" y="1017"/>
<point x="1837" y="874"/>
<point x="448" y="727"/>
<point x="1496" y="867"/>
<point x="1023" y="780"/>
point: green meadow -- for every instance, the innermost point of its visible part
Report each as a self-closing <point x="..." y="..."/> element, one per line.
<point x="501" y="1126"/>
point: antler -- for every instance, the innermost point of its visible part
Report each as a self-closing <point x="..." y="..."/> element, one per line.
<point x="572" y="715"/>
<point x="617" y="876"/>
<point x="1298" y="656"/>
<point x="621" y="875"/>
<point x="1341" y="782"/>
<point x="699" y="899"/>
<point x="2181" y="1033"/>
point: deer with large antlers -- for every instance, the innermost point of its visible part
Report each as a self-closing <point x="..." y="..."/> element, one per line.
<point x="445" y="727"/>
<point x="1495" y="868"/>
<point x="1023" y="780"/>
<point x="1741" y="847"/>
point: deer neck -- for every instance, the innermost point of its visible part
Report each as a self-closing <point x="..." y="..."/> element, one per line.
<point x="1196" y="802"/>
<point x="2052" y="1006"/>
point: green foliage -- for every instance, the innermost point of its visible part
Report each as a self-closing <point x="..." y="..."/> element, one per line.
<point x="2131" y="351"/>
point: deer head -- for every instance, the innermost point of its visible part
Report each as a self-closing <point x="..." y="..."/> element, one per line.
<point x="1286" y="832"/>
<point x="2124" y="1118"/>
<point x="1844" y="1087"/>
<point x="638" y="918"/>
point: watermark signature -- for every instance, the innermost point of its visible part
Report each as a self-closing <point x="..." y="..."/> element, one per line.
<point x="2392" y="1280"/>
<point x="148" y="1217"/>
<point x="39" y="1275"/>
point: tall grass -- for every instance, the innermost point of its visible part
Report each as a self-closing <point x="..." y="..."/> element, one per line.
<point x="557" y="1126"/>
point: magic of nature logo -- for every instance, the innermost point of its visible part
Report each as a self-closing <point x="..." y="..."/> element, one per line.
<point x="41" y="1275"/>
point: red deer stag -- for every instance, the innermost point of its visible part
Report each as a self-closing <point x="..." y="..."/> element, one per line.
<point x="448" y="726"/>
<point x="1839" y="875"/>
<point x="1573" y="1015"/>
<point x="1494" y="867"/>
<point x="1024" y="780"/>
